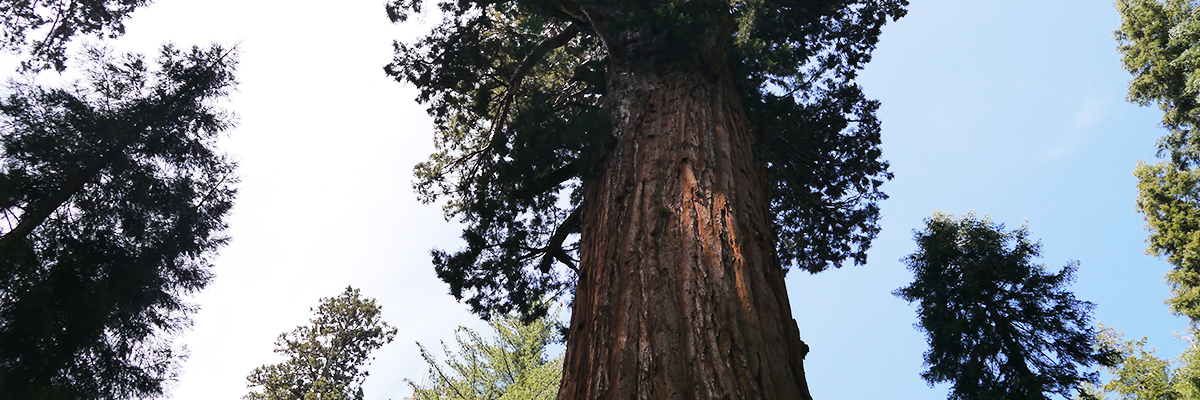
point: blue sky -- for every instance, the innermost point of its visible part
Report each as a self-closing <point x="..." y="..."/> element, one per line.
<point x="1013" y="109"/>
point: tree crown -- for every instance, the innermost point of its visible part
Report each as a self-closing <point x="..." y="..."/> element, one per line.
<point x="519" y="94"/>
<point x="1158" y="42"/>
<point x="113" y="199"/>
<point x="998" y="326"/>
<point x="324" y="358"/>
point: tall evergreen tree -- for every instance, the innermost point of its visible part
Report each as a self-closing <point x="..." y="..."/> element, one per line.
<point x="1159" y="40"/>
<point x="113" y="199"/>
<point x="664" y="161"/>
<point x="999" y="327"/>
<point x="324" y="358"/>
<point x="1160" y="44"/>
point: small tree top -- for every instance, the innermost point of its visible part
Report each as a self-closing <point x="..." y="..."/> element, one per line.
<point x="324" y="358"/>
<point x="998" y="325"/>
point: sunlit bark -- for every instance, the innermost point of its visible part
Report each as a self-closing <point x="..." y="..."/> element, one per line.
<point x="680" y="295"/>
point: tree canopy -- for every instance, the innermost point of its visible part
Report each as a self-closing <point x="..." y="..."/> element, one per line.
<point x="511" y="366"/>
<point x="1159" y="43"/>
<point x="42" y="29"/>
<point x="113" y="199"/>
<point x="522" y="106"/>
<point x="998" y="326"/>
<point x="1137" y="374"/>
<point x="1167" y="196"/>
<point x="324" y="358"/>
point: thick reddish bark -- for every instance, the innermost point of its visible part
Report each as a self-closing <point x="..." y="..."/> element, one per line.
<point x="680" y="294"/>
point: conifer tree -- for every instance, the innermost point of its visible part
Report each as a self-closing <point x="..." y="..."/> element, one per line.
<point x="1138" y="374"/>
<point x="42" y="29"/>
<point x="1160" y="44"/>
<point x="1158" y="40"/>
<point x="659" y="163"/>
<point x="513" y="365"/>
<point x="112" y="201"/>
<point x="324" y="358"/>
<point x="998" y="325"/>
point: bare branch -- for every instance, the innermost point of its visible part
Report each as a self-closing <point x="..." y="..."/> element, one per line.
<point x="554" y="249"/>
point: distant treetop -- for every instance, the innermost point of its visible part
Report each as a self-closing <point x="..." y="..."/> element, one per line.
<point x="998" y="325"/>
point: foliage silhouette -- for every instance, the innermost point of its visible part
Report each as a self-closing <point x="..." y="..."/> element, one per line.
<point x="998" y="326"/>
<point x="523" y="104"/>
<point x="113" y="199"/>
<point x="56" y="22"/>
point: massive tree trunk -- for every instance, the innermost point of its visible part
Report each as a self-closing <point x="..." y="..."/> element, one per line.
<point x="680" y="293"/>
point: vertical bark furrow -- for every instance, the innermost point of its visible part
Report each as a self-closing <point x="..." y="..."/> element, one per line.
<point x="680" y="285"/>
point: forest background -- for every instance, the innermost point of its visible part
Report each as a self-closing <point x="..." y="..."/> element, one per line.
<point x="1012" y="109"/>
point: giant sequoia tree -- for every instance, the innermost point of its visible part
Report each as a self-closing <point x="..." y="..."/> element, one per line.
<point x="112" y="200"/>
<point x="663" y="161"/>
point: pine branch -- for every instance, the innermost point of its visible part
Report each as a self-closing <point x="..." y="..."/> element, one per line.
<point x="123" y="139"/>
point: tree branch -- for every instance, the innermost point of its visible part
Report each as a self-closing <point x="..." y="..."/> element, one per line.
<point x="514" y="83"/>
<point x="547" y="182"/>
<point x="554" y="249"/>
<point x="76" y="182"/>
<point x="122" y="138"/>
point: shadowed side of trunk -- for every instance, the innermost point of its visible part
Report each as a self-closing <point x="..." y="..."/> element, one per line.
<point x="680" y="295"/>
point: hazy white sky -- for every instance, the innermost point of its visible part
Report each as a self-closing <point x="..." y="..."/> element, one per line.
<point x="1012" y="109"/>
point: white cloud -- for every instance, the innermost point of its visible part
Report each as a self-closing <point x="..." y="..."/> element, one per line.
<point x="1088" y="115"/>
